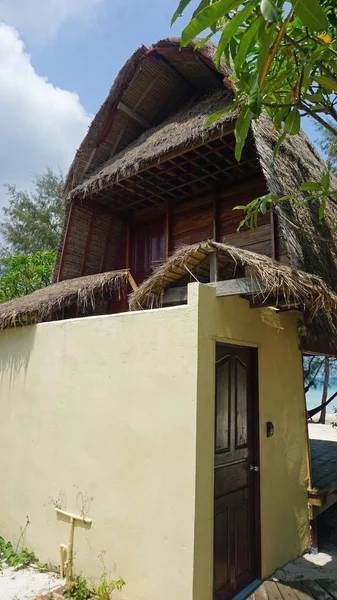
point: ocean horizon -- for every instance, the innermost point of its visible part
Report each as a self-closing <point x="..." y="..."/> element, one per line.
<point x="314" y="397"/>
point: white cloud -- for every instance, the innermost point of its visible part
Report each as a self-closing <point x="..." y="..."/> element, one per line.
<point x="40" y="125"/>
<point x="41" y="19"/>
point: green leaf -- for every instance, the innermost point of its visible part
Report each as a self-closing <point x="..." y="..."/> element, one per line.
<point x="292" y="123"/>
<point x="321" y="210"/>
<point x="280" y="116"/>
<point x="254" y="99"/>
<point x="311" y="14"/>
<point x="266" y="37"/>
<point x="241" y="131"/>
<point x="201" y="7"/>
<point x="326" y="82"/>
<point x="220" y="112"/>
<point x="231" y="28"/>
<point x="269" y="11"/>
<point x="279" y="144"/>
<point x="325" y="181"/>
<point x="181" y="7"/>
<point x="310" y="186"/>
<point x="246" y="42"/>
<point x="205" y="18"/>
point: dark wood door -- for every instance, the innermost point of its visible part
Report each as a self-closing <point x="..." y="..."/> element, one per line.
<point x="147" y="248"/>
<point x="236" y="489"/>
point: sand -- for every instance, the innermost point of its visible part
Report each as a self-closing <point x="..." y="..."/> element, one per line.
<point x="26" y="584"/>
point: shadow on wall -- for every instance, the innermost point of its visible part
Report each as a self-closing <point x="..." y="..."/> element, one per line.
<point x="15" y="349"/>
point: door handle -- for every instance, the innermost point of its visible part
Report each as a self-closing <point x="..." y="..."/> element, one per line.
<point x="254" y="468"/>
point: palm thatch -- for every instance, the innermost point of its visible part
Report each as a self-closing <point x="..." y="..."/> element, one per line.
<point x="183" y="129"/>
<point x="283" y="283"/>
<point x="82" y="292"/>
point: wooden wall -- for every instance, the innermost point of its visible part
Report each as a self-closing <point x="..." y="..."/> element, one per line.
<point x="98" y="241"/>
<point x="212" y="217"/>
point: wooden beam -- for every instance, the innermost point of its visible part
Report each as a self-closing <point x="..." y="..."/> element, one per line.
<point x="237" y="287"/>
<point x="273" y="235"/>
<point x="168" y="228"/>
<point x="229" y="287"/>
<point x="216" y="219"/>
<point x="128" y="243"/>
<point x="133" y="115"/>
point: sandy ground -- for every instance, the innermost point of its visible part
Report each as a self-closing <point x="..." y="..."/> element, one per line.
<point x="324" y="432"/>
<point x="26" y="584"/>
<point x="324" y="564"/>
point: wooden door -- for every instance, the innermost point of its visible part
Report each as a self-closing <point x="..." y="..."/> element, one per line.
<point x="236" y="488"/>
<point x="147" y="248"/>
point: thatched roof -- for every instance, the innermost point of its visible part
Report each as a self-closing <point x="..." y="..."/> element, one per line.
<point x="285" y="286"/>
<point x="179" y="132"/>
<point x="82" y="292"/>
<point x="165" y="76"/>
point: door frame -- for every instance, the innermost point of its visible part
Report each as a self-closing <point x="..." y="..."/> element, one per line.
<point x="255" y="446"/>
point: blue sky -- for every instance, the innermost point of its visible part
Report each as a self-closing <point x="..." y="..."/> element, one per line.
<point x="58" y="59"/>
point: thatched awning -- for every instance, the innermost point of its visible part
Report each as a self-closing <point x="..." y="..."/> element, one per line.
<point x="285" y="286"/>
<point x="82" y="292"/>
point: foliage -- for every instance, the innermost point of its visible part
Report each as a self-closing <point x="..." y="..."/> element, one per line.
<point x="33" y="220"/>
<point x="284" y="56"/>
<point x="22" y="274"/>
<point x="106" y="587"/>
<point x="328" y="143"/>
<point x="15" y="557"/>
<point x="318" y="192"/>
<point x="79" y="588"/>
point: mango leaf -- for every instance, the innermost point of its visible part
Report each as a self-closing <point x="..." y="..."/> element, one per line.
<point x="246" y="42"/>
<point x="321" y="210"/>
<point x="221" y="112"/>
<point x="254" y="99"/>
<point x="205" y="17"/>
<point x="201" y="6"/>
<point x="241" y="131"/>
<point x="231" y="28"/>
<point x="278" y="144"/>
<point x="325" y="181"/>
<point x="310" y="186"/>
<point x="269" y="11"/>
<point x="311" y="14"/>
<point x="280" y="116"/>
<point x="266" y="39"/>
<point x="326" y="82"/>
<point x="203" y="41"/>
<point x="181" y="7"/>
<point x="292" y="123"/>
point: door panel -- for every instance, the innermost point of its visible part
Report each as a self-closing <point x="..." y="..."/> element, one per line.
<point x="147" y="248"/>
<point x="236" y="520"/>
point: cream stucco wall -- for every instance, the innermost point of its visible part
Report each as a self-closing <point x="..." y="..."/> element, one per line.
<point x="283" y="459"/>
<point x="104" y="406"/>
<point x="119" y="410"/>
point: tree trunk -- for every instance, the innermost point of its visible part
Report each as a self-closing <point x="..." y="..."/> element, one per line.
<point x="325" y="388"/>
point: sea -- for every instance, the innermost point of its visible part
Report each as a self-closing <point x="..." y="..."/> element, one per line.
<point x="314" y="397"/>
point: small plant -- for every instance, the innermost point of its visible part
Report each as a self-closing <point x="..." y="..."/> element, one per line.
<point x="16" y="558"/>
<point x="106" y="587"/>
<point x="78" y="589"/>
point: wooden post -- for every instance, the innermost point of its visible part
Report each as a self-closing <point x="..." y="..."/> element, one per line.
<point x="128" y="257"/>
<point x="87" y="246"/>
<point x="216" y="219"/>
<point x="213" y="267"/>
<point x="273" y="235"/>
<point x="65" y="243"/>
<point x="168" y="228"/>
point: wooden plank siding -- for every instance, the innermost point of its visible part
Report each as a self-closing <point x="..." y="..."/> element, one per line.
<point x="101" y="241"/>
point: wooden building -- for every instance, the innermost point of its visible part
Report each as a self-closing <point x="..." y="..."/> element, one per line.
<point x="149" y="209"/>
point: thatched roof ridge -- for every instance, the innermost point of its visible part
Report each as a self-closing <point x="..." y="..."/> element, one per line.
<point x="181" y="130"/>
<point x="82" y="291"/>
<point x="101" y="124"/>
<point x="292" y="286"/>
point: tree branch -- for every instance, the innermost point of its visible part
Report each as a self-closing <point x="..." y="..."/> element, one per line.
<point x="319" y="63"/>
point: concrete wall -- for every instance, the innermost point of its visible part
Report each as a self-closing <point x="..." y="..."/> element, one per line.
<point x="104" y="407"/>
<point x="117" y="412"/>
<point x="283" y="459"/>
